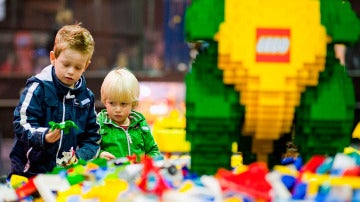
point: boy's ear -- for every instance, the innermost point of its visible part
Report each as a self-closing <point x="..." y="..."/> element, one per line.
<point x="87" y="65"/>
<point x="52" y="58"/>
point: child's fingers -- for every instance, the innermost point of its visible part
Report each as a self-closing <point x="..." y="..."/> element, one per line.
<point x="111" y="156"/>
<point x="53" y="136"/>
<point x="107" y="156"/>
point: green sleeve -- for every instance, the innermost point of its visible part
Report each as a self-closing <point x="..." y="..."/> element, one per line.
<point x="151" y="147"/>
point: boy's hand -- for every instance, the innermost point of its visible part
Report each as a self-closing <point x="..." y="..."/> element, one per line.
<point x="52" y="136"/>
<point x="106" y="155"/>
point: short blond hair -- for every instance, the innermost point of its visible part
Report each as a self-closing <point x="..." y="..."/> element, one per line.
<point x="120" y="84"/>
<point x="74" y="37"/>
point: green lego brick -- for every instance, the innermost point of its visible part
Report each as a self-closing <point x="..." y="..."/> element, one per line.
<point x="222" y="159"/>
<point x="208" y="163"/>
<point x="333" y="99"/>
<point x="202" y="19"/>
<point x="218" y="125"/>
<point x="203" y="170"/>
<point x="318" y="138"/>
<point x="341" y="22"/>
<point x="204" y="143"/>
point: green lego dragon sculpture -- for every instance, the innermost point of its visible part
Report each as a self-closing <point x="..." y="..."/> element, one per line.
<point x="266" y="72"/>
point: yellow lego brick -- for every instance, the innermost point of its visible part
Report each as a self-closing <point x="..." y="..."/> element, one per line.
<point x="249" y="127"/>
<point x="349" y="150"/>
<point x="166" y="138"/>
<point x="266" y="130"/>
<point x="170" y="129"/>
<point x="286" y="170"/>
<point x="17" y="181"/>
<point x="356" y="132"/>
<point x="315" y="180"/>
<point x="223" y="61"/>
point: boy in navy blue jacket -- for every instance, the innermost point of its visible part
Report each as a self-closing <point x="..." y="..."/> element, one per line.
<point x="58" y="93"/>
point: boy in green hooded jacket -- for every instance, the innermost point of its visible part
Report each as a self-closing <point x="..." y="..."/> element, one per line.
<point x="124" y="131"/>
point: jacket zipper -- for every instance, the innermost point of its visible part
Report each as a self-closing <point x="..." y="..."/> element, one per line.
<point x="67" y="96"/>
<point x="128" y="138"/>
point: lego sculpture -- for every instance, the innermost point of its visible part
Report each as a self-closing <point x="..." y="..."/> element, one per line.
<point x="266" y="73"/>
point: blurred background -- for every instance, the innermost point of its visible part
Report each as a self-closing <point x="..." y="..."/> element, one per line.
<point x="145" y="36"/>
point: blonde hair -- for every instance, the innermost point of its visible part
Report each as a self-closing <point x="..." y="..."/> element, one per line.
<point x="120" y="85"/>
<point x="75" y="37"/>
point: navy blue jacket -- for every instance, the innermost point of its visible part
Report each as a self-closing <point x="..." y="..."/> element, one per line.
<point x="46" y="99"/>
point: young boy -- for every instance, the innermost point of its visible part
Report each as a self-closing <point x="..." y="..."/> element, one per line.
<point x="58" y="94"/>
<point x="124" y="131"/>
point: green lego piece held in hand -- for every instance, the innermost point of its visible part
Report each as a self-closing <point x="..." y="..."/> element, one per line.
<point x="65" y="126"/>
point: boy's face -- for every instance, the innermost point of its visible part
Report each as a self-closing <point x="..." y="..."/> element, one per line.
<point x="118" y="111"/>
<point x="69" y="66"/>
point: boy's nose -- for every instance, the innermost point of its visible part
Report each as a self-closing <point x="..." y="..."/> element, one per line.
<point x="118" y="108"/>
<point x="71" y="70"/>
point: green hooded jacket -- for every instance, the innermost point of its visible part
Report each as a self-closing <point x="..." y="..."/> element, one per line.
<point x="137" y="139"/>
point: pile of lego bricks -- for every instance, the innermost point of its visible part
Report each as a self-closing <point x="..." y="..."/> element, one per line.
<point x="322" y="178"/>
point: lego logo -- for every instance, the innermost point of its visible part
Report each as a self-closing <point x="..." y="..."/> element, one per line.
<point x="272" y="45"/>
